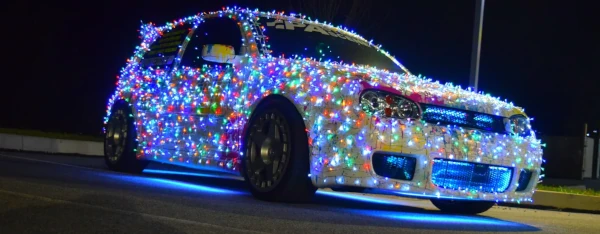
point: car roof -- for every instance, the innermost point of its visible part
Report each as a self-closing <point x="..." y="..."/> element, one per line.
<point x="277" y="15"/>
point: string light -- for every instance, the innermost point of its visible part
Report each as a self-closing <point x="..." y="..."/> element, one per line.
<point x="195" y="116"/>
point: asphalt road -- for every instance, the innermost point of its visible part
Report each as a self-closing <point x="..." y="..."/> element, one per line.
<point x="42" y="193"/>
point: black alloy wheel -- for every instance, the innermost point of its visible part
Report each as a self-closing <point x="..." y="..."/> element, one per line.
<point x="115" y="139"/>
<point x="276" y="160"/>
<point x="120" y="140"/>
<point x="268" y="150"/>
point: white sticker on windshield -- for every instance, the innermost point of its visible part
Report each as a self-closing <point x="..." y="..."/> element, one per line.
<point x="288" y="25"/>
<point x="315" y="28"/>
<point x="292" y="25"/>
<point x="274" y="23"/>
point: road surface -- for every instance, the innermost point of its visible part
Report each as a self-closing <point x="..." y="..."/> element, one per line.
<point x="41" y="193"/>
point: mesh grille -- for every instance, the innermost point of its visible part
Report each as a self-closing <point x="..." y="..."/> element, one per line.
<point x="394" y="166"/>
<point x="459" y="175"/>
<point x="464" y="118"/>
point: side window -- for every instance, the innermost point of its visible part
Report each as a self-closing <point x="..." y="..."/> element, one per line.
<point x="164" y="50"/>
<point x="219" y="30"/>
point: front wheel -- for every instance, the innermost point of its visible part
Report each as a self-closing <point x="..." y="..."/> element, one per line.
<point x="276" y="162"/>
<point x="119" y="141"/>
<point x="462" y="207"/>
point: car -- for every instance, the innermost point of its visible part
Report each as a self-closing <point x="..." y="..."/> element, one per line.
<point x="293" y="105"/>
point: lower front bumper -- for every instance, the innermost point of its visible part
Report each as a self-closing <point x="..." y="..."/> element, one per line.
<point x="422" y="178"/>
<point x="343" y="156"/>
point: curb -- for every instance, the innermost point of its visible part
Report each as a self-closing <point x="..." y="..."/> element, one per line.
<point x="550" y="200"/>
<point x="50" y="153"/>
<point x="548" y="208"/>
<point x="50" y="145"/>
<point x="566" y="200"/>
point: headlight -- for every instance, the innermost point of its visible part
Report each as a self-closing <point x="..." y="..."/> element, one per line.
<point x="384" y="104"/>
<point x="519" y="124"/>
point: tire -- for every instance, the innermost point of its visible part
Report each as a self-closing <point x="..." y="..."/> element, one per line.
<point x="462" y="207"/>
<point x="120" y="141"/>
<point x="275" y="163"/>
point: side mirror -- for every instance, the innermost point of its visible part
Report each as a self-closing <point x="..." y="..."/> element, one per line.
<point x="218" y="53"/>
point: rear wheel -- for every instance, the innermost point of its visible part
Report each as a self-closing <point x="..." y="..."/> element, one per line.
<point x="119" y="141"/>
<point x="276" y="160"/>
<point x="462" y="207"/>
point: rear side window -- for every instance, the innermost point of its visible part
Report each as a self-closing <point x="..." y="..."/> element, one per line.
<point x="219" y="30"/>
<point x="164" y="50"/>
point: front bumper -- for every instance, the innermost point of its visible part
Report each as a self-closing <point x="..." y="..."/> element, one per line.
<point x="344" y="157"/>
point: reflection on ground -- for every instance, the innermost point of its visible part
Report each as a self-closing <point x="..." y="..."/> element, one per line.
<point x="385" y="210"/>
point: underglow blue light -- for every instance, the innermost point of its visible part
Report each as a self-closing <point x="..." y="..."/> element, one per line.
<point x="166" y="172"/>
<point x="183" y="185"/>
<point x="437" y="218"/>
<point x="425" y="195"/>
<point x="437" y="195"/>
<point x="356" y="197"/>
<point x="169" y="184"/>
<point x="459" y="175"/>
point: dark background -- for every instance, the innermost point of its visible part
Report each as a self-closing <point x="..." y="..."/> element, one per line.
<point x="61" y="59"/>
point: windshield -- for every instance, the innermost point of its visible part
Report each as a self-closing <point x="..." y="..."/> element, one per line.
<point x="321" y="43"/>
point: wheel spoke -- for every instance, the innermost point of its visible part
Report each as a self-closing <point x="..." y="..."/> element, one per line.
<point x="257" y="164"/>
<point x="123" y="129"/>
<point x="273" y="131"/>
<point x="282" y="157"/>
<point x="122" y="136"/>
<point x="109" y="149"/>
<point x="117" y="151"/>
<point x="113" y="150"/>
<point x="258" y="138"/>
<point x="272" y="169"/>
<point x="110" y="139"/>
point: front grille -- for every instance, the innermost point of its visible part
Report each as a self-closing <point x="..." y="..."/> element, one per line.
<point x="524" y="178"/>
<point x="463" y="118"/>
<point x="459" y="175"/>
<point x="394" y="166"/>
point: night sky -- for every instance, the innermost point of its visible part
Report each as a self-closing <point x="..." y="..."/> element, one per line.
<point x="63" y="58"/>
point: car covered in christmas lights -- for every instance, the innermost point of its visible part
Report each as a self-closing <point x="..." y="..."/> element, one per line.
<point x="293" y="105"/>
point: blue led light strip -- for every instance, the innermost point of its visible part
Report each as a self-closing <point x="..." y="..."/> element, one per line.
<point x="483" y="118"/>
<point x="400" y="162"/>
<point x="458" y="175"/>
<point x="394" y="166"/>
<point x="445" y="115"/>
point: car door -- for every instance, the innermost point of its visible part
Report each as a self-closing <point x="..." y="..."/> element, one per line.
<point x="202" y="124"/>
<point x="154" y="99"/>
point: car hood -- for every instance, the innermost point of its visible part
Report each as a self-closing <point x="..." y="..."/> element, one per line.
<point x="424" y="90"/>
